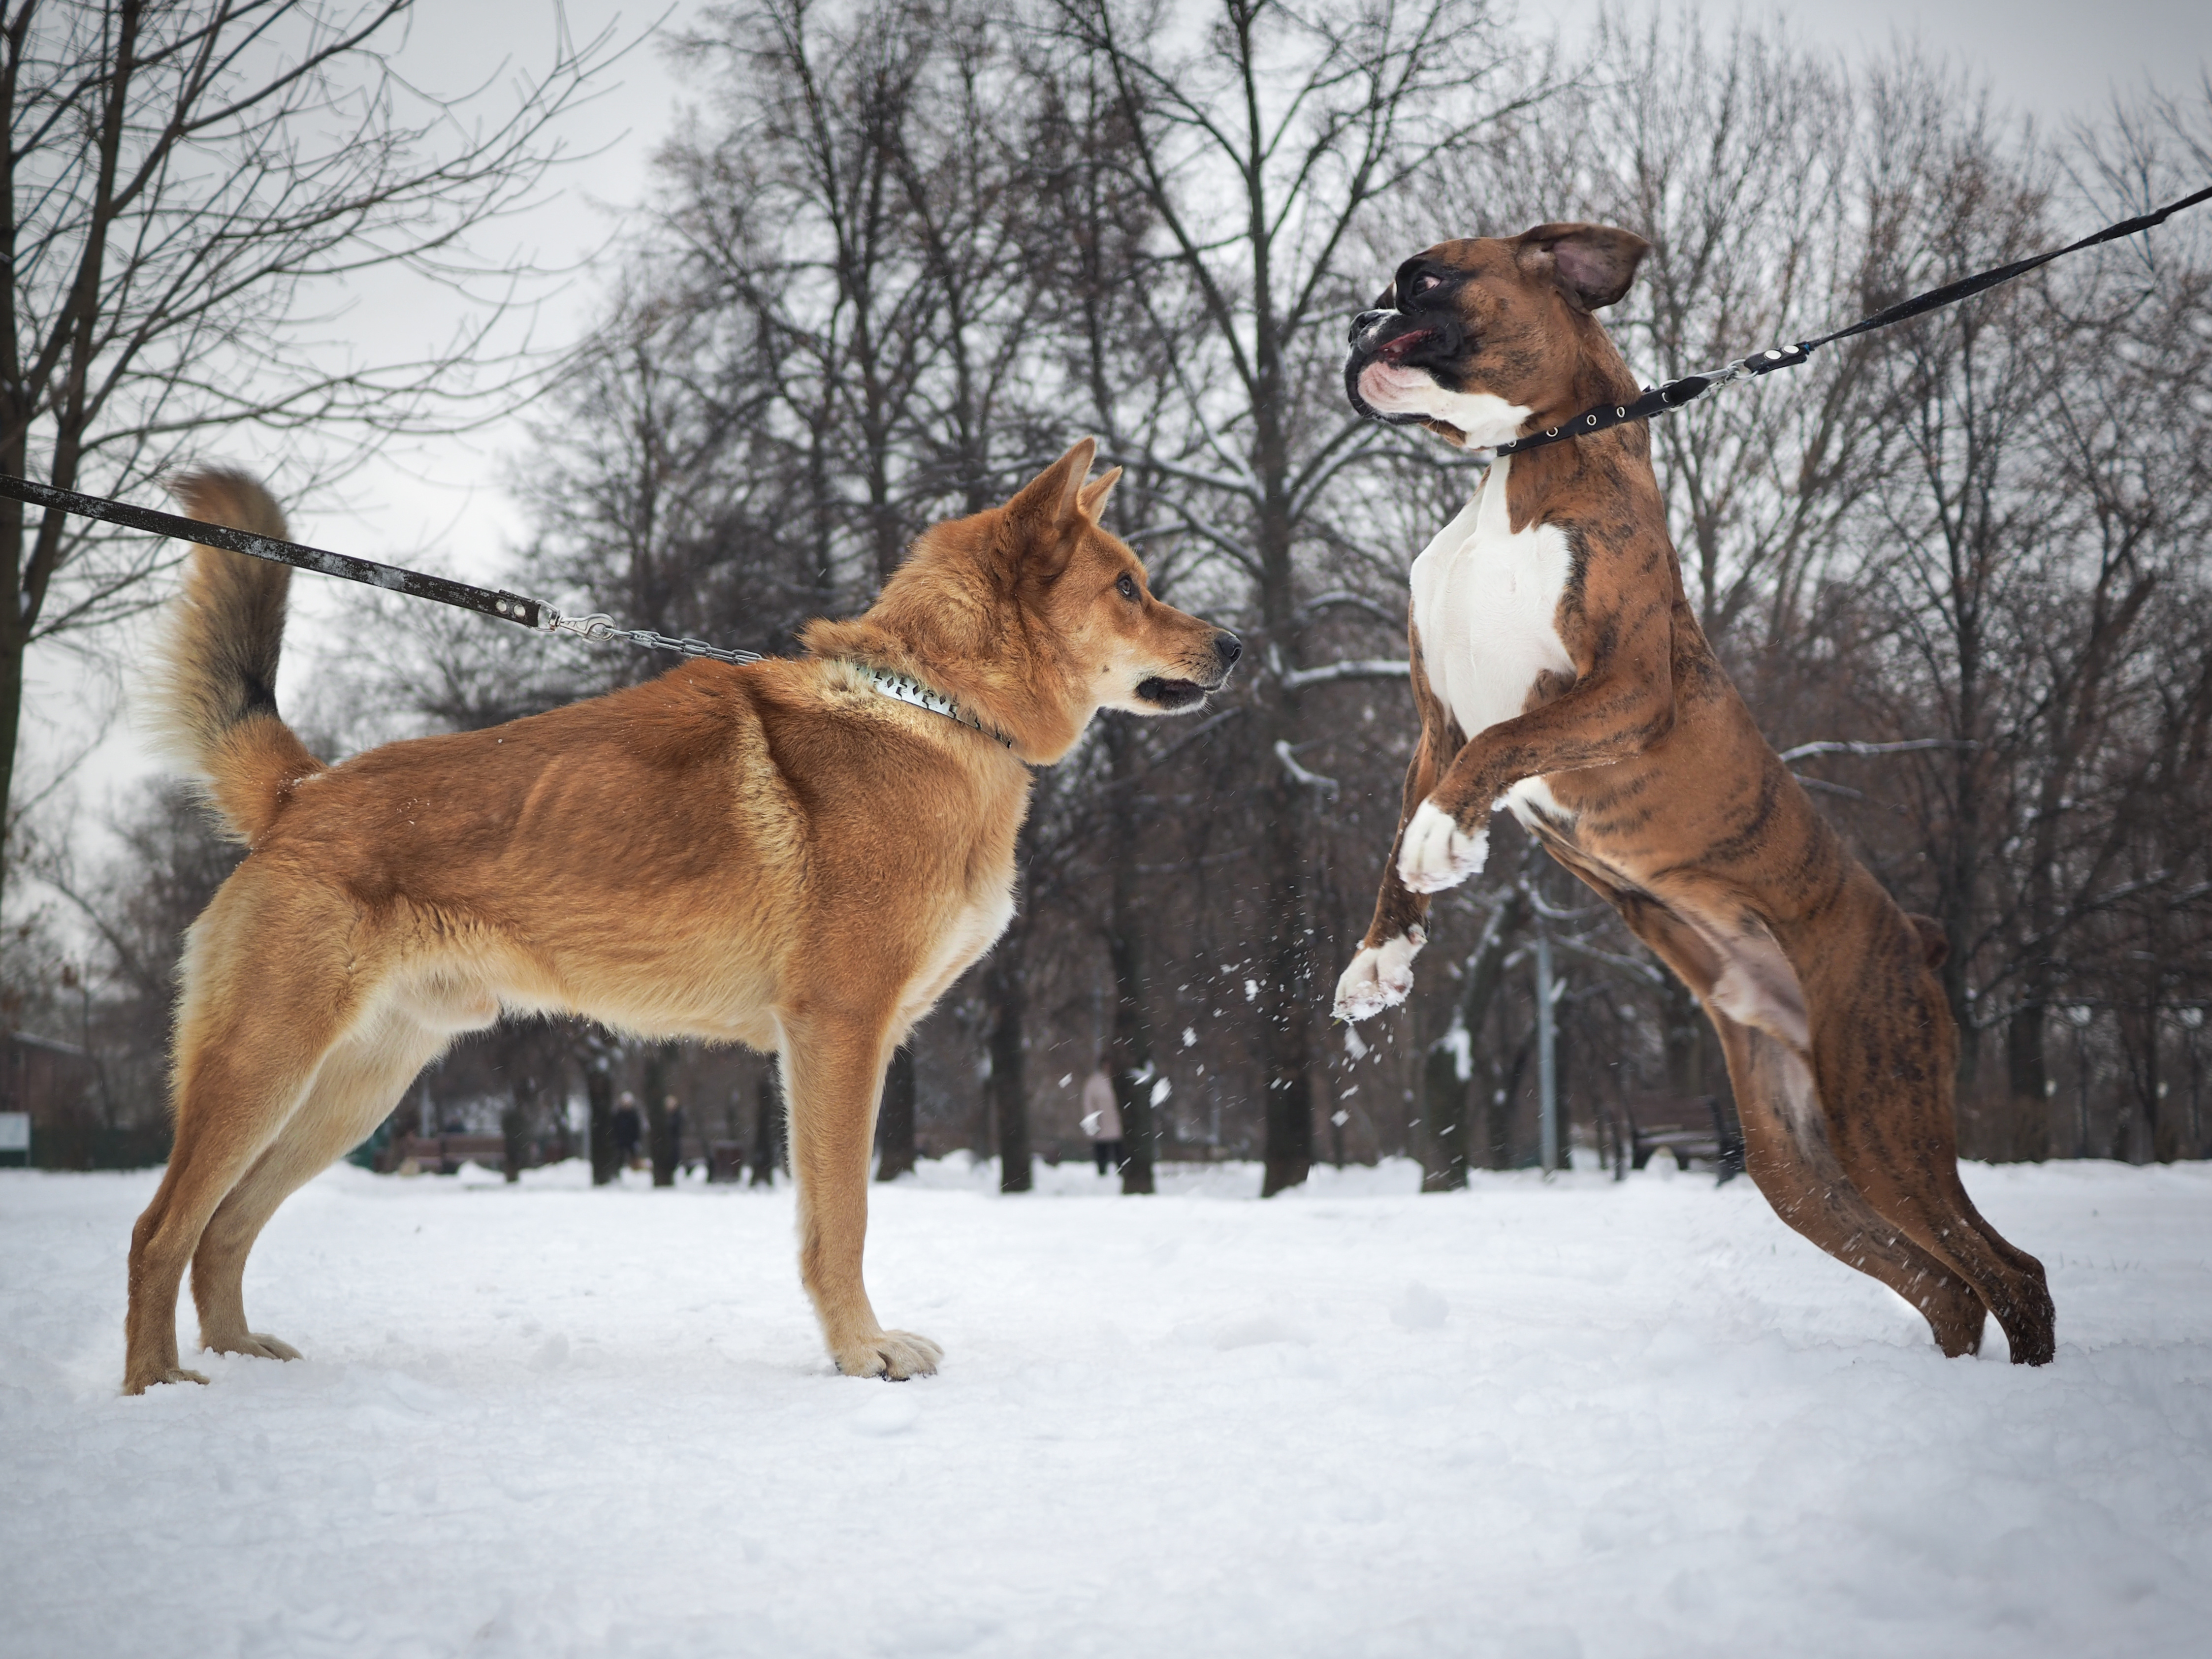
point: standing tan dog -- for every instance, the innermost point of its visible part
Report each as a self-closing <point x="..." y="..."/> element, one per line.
<point x="791" y="854"/>
<point x="1560" y="671"/>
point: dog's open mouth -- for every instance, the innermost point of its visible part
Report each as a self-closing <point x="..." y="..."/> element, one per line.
<point x="1393" y="351"/>
<point x="1170" y="694"/>
<point x="1379" y="380"/>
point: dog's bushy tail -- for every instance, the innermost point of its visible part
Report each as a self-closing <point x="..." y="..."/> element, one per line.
<point x="212" y="690"/>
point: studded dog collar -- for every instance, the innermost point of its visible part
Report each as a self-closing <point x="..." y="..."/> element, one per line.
<point x="905" y="688"/>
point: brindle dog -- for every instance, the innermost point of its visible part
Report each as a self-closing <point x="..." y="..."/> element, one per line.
<point x="1560" y="671"/>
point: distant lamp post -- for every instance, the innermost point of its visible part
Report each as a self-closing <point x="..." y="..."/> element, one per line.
<point x="2078" y="1015"/>
<point x="1548" y="1065"/>
<point x="2192" y="1021"/>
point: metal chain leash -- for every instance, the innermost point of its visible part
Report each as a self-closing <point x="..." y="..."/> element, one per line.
<point x="600" y="630"/>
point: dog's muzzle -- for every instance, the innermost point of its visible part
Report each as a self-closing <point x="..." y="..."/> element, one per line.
<point x="1373" y="337"/>
<point x="1174" y="694"/>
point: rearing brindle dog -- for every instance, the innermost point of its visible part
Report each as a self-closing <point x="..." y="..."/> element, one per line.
<point x="1560" y="672"/>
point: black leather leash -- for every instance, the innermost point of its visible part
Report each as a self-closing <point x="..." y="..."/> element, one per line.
<point x="1662" y="399"/>
<point x="494" y="603"/>
<point x="497" y="604"/>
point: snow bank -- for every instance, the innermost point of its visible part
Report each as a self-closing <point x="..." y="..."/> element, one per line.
<point x="1529" y="1420"/>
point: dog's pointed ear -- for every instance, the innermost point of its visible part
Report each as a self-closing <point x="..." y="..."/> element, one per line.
<point x="1091" y="500"/>
<point x="1593" y="264"/>
<point x="1050" y="500"/>
<point x="1388" y="298"/>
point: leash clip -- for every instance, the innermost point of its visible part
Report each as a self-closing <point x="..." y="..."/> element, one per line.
<point x="599" y="627"/>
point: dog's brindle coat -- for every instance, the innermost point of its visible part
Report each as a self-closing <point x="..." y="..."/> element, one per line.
<point x="1623" y="746"/>
<point x="774" y="854"/>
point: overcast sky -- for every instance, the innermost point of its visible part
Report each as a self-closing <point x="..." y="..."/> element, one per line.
<point x="440" y="505"/>
<point x="2055" y="60"/>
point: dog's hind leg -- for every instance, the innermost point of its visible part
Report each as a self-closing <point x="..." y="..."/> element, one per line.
<point x="1788" y="1154"/>
<point x="1884" y="1050"/>
<point x="249" y="1042"/>
<point x="833" y="1071"/>
<point x="356" y="1086"/>
<point x="1787" y="1151"/>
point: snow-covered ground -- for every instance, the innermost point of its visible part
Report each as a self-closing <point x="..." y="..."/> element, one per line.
<point x="1529" y="1420"/>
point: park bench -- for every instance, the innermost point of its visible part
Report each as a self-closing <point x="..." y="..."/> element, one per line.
<point x="1687" y="1126"/>
<point x="726" y="1161"/>
<point x="445" y="1154"/>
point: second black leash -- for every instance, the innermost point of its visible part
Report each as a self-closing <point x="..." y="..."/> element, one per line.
<point x="1660" y="399"/>
<point x="530" y="613"/>
<point x="490" y="602"/>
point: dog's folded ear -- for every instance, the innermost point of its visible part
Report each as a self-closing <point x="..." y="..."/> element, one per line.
<point x="1593" y="264"/>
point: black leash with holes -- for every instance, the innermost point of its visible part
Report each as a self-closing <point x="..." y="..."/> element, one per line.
<point x="1662" y="399"/>
<point x="497" y="604"/>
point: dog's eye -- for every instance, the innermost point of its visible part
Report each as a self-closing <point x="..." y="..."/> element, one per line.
<point x="1126" y="587"/>
<point x="1425" y="284"/>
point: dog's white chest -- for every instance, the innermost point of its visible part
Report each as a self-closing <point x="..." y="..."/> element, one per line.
<point x="1486" y="603"/>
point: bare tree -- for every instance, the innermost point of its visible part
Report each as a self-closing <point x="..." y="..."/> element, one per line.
<point x="732" y="464"/>
<point x="1263" y="141"/>
<point x="178" y="181"/>
<point x="1730" y="152"/>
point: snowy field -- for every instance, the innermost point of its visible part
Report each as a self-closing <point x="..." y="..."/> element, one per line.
<point x="1529" y="1421"/>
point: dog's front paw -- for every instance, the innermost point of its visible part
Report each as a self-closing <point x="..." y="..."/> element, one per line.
<point x="1436" y="852"/>
<point x="153" y="1376"/>
<point x="1379" y="976"/>
<point x="895" y="1356"/>
<point x="254" y="1344"/>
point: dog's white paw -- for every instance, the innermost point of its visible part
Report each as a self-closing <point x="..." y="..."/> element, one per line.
<point x="895" y="1356"/>
<point x="1379" y="976"/>
<point x="1436" y="852"/>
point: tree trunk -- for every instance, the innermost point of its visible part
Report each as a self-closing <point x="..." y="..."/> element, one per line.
<point x="1445" y="1086"/>
<point x="768" y="1126"/>
<point x="1010" y="1108"/>
<point x="1132" y="1041"/>
<point x="1288" y="1037"/>
<point x="1497" y="1113"/>
<point x="2149" y="1134"/>
<point x="895" y="1145"/>
<point x="1684" y="1038"/>
<point x="599" y="1094"/>
<point x="13" y="638"/>
<point x="661" y="1119"/>
<point x="1289" y="1043"/>
<point x="1961" y="883"/>
<point x="1443" y="1112"/>
<point x="517" y="1123"/>
<point x="2028" y="1075"/>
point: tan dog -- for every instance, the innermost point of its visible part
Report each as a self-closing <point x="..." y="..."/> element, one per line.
<point x="1560" y="671"/>
<point x="785" y="854"/>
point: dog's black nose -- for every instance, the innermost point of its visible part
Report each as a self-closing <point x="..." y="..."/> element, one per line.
<point x="1364" y="321"/>
<point x="1228" y="647"/>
